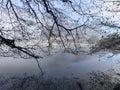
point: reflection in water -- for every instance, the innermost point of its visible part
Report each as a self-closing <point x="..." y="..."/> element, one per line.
<point x="62" y="65"/>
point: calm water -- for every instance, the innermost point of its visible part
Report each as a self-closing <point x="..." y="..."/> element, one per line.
<point x="61" y="65"/>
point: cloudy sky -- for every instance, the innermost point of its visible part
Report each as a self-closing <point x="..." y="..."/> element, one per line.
<point x="88" y="11"/>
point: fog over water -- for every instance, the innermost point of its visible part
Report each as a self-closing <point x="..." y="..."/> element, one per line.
<point x="61" y="65"/>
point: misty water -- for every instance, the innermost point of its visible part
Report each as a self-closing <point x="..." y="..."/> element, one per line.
<point x="61" y="65"/>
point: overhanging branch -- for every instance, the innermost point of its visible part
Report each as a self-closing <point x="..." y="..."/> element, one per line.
<point x="11" y="44"/>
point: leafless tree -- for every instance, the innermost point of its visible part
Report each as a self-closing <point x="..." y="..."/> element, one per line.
<point x="52" y="20"/>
